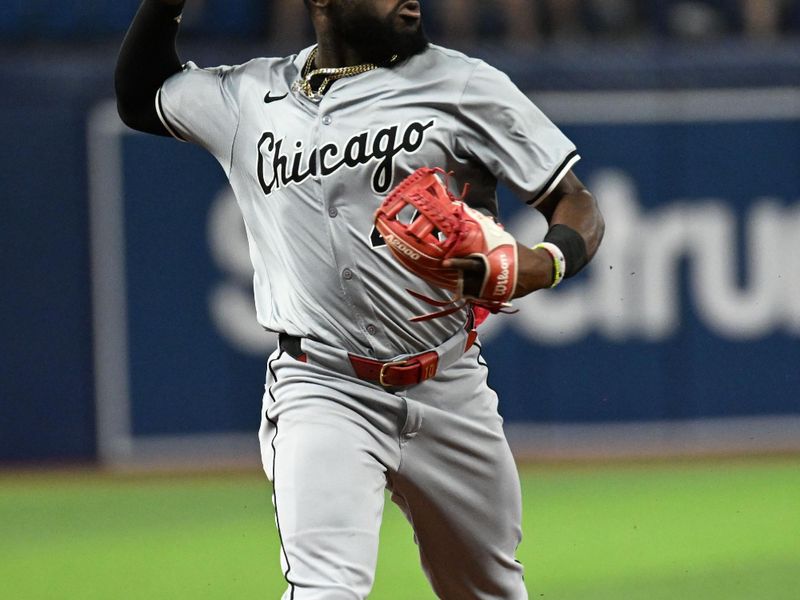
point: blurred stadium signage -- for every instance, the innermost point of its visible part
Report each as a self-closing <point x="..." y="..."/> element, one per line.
<point x="633" y="291"/>
<point x="696" y="287"/>
<point x="634" y="288"/>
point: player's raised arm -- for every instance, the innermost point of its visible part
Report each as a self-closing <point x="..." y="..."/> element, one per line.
<point x="147" y="58"/>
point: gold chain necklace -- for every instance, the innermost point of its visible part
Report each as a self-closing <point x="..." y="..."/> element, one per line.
<point x="330" y="75"/>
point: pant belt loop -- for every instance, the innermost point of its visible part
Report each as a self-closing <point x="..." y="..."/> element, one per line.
<point x="292" y="346"/>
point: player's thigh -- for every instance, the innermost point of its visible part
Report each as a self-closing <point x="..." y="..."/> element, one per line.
<point x="329" y="468"/>
<point x="467" y="521"/>
<point x="459" y="487"/>
<point x="328" y="491"/>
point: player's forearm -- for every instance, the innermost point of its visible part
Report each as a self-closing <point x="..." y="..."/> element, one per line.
<point x="576" y="209"/>
<point x="534" y="270"/>
<point x="579" y="212"/>
<point x="147" y="58"/>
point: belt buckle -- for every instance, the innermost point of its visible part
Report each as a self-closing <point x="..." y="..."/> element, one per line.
<point x="385" y="366"/>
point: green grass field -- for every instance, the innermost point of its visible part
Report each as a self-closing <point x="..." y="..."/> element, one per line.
<point x="713" y="530"/>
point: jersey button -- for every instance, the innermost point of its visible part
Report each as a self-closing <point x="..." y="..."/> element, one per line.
<point x="332" y="212"/>
<point x="371" y="329"/>
<point x="347" y="274"/>
<point x="327" y="120"/>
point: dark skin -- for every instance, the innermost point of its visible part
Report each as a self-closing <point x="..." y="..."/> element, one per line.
<point x="570" y="203"/>
<point x="334" y="49"/>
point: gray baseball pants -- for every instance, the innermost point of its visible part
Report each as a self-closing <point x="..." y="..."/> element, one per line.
<point x="332" y="443"/>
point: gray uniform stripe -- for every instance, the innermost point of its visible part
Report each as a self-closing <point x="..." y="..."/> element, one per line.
<point x="163" y="119"/>
<point x="274" y="479"/>
<point x="569" y="161"/>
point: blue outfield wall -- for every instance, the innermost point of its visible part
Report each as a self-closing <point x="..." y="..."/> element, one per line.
<point x="691" y="309"/>
<point x="46" y="389"/>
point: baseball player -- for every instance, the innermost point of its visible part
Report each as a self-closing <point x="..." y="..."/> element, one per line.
<point x="360" y="397"/>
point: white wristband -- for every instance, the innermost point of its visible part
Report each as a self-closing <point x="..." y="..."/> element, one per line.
<point x="559" y="262"/>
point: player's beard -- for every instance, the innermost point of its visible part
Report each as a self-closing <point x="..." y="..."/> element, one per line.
<point x="376" y="39"/>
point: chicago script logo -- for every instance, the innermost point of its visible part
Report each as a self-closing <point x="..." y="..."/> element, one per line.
<point x="279" y="166"/>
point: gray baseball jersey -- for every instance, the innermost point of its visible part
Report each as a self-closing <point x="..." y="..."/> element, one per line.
<point x="309" y="176"/>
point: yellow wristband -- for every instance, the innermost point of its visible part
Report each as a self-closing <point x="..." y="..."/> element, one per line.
<point x="559" y="262"/>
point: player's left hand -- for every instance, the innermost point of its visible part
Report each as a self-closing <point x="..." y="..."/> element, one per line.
<point x="446" y="229"/>
<point x="534" y="271"/>
<point x="473" y="272"/>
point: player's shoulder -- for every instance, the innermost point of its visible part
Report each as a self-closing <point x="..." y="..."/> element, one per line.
<point x="439" y="56"/>
<point x="259" y="68"/>
<point x="260" y="72"/>
<point x="455" y="65"/>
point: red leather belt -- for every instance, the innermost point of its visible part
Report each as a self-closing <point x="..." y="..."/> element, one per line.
<point x="392" y="373"/>
<point x="400" y="373"/>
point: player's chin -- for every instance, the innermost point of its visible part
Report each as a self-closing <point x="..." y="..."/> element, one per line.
<point x="408" y="42"/>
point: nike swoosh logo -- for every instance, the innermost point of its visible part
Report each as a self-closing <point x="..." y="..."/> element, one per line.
<point x="268" y="98"/>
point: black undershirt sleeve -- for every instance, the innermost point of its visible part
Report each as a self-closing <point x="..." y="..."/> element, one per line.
<point x="147" y="58"/>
